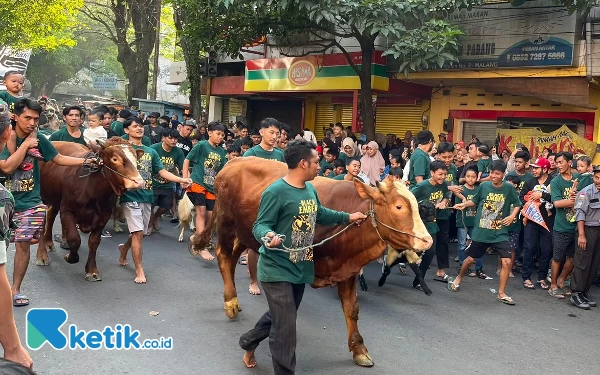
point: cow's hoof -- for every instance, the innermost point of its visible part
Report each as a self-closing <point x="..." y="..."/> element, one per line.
<point x="51" y="248"/>
<point x="92" y="277"/>
<point x="193" y="229"/>
<point x="73" y="259"/>
<point x="232" y="308"/>
<point x="427" y="290"/>
<point x="42" y="262"/>
<point x="364" y="360"/>
<point x="180" y="239"/>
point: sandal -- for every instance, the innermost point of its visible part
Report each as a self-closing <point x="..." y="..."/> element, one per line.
<point x="20" y="297"/>
<point x="243" y="260"/>
<point x="543" y="285"/>
<point x="451" y="286"/>
<point x="471" y="273"/>
<point x="506" y="300"/>
<point x="527" y="284"/>
<point x="556" y="293"/>
<point x="480" y="274"/>
<point x="443" y="278"/>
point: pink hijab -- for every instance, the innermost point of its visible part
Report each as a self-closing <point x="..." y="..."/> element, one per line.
<point x="372" y="166"/>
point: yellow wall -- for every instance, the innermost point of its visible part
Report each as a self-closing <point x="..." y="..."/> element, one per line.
<point x="310" y="111"/>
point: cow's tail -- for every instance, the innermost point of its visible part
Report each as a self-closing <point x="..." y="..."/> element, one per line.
<point x="204" y="239"/>
<point x="184" y="209"/>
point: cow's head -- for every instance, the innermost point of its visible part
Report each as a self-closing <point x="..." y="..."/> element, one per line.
<point x="397" y="207"/>
<point x="117" y="154"/>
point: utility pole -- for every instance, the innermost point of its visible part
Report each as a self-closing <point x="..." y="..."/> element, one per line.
<point x="154" y="94"/>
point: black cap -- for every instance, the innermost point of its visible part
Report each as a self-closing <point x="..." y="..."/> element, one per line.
<point x="191" y="123"/>
<point x="154" y="114"/>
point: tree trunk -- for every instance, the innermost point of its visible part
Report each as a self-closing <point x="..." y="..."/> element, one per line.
<point x="192" y="57"/>
<point x="366" y="92"/>
<point x="137" y="74"/>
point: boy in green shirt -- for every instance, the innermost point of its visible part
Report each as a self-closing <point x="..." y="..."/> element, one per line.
<point x="434" y="190"/>
<point x="419" y="160"/>
<point x="493" y="201"/>
<point x="288" y="207"/>
<point x="484" y="163"/>
<point x="521" y="160"/>
<point x="208" y="158"/>
<point x="584" y="167"/>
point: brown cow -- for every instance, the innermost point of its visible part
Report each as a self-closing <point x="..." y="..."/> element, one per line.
<point x="337" y="262"/>
<point x="85" y="201"/>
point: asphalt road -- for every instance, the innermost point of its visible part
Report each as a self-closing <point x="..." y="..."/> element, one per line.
<point x="406" y="332"/>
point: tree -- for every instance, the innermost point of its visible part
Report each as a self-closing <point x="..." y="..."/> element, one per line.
<point x="131" y="26"/>
<point x="43" y="24"/>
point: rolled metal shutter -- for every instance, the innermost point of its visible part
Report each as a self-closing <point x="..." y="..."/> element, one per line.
<point x="323" y="118"/>
<point x="398" y="119"/>
<point x="347" y="115"/>
<point x="484" y="131"/>
<point x="225" y="112"/>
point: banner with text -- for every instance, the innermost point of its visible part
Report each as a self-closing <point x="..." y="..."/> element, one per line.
<point x="559" y="140"/>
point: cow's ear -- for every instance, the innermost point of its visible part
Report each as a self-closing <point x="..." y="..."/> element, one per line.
<point x="365" y="191"/>
<point x="139" y="154"/>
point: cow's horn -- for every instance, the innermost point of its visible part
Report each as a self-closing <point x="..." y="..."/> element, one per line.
<point x="100" y="142"/>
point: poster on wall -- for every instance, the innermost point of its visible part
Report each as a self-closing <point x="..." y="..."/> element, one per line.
<point x="559" y="140"/>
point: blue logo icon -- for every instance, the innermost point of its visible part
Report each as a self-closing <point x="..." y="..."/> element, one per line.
<point x="43" y="325"/>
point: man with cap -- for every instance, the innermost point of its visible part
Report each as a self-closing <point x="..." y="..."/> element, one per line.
<point x="587" y="254"/>
<point x="442" y="137"/>
<point x="154" y="131"/>
<point x="535" y="235"/>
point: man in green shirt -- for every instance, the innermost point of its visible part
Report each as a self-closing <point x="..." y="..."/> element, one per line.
<point x="72" y="132"/>
<point x="563" y="191"/>
<point x="137" y="204"/>
<point x="434" y="190"/>
<point x="288" y="207"/>
<point x="117" y="126"/>
<point x="521" y="160"/>
<point x="24" y="183"/>
<point x="172" y="158"/>
<point x="419" y="160"/>
<point x="208" y="158"/>
<point x="493" y="201"/>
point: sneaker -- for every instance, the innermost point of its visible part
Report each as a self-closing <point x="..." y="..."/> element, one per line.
<point x="578" y="301"/>
<point x="587" y="298"/>
<point x="106" y="234"/>
<point x="418" y="287"/>
<point x="174" y="220"/>
<point x="402" y="268"/>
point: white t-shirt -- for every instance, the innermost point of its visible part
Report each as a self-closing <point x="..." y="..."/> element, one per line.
<point x="92" y="134"/>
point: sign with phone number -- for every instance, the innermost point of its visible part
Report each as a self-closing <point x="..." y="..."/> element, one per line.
<point x="554" y="52"/>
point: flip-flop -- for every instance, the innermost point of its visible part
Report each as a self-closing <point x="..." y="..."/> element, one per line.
<point x="543" y="285"/>
<point x="20" y="296"/>
<point x="243" y="260"/>
<point x="528" y="285"/>
<point x="556" y="293"/>
<point x="451" y="286"/>
<point x="443" y="279"/>
<point x="506" y="300"/>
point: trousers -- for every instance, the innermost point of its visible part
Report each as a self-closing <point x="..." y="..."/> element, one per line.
<point x="534" y="236"/>
<point x="586" y="261"/>
<point x="278" y="324"/>
<point x="426" y="260"/>
<point x="441" y="244"/>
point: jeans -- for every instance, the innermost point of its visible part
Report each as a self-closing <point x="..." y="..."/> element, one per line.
<point x="534" y="236"/>
<point x="462" y="247"/>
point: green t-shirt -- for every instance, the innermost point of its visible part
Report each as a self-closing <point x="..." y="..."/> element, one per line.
<point x="340" y="176"/>
<point x="208" y="161"/>
<point x="117" y="127"/>
<point x="260" y="152"/>
<point x="435" y="194"/>
<point x="561" y="189"/>
<point x="419" y="166"/>
<point x="293" y="212"/>
<point x="323" y="164"/>
<point x="145" y="140"/>
<point x="9" y="99"/>
<point x="451" y="179"/>
<point x="517" y="225"/>
<point x="466" y="217"/>
<point x="172" y="162"/>
<point x="522" y="177"/>
<point x="584" y="179"/>
<point x="148" y="165"/>
<point x="24" y="182"/>
<point x="343" y="157"/>
<point x="484" y="165"/>
<point x="63" y="135"/>
<point x="493" y="205"/>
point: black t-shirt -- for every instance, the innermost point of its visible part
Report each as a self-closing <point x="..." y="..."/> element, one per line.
<point x="527" y="187"/>
<point x="184" y="144"/>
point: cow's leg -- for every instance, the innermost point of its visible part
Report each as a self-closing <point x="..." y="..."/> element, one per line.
<point x="228" y="252"/>
<point x="91" y="269"/>
<point x="349" y="299"/>
<point x="46" y="243"/>
<point x="71" y="236"/>
<point x="182" y="224"/>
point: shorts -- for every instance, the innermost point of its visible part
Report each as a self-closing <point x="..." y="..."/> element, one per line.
<point x="137" y="216"/>
<point x="163" y="198"/>
<point x="30" y="223"/>
<point x="477" y="249"/>
<point x="513" y="238"/>
<point x="563" y="245"/>
<point x="199" y="199"/>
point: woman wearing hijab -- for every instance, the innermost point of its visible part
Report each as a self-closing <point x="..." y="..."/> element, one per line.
<point x="372" y="163"/>
<point x="349" y="149"/>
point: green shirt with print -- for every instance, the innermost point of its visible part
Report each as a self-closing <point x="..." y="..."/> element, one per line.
<point x="260" y="152"/>
<point x="561" y="189"/>
<point x="584" y="180"/>
<point x="117" y="127"/>
<point x="24" y="182"/>
<point x="145" y="140"/>
<point x="466" y="217"/>
<point x="293" y="212"/>
<point x="451" y="179"/>
<point x="419" y="166"/>
<point x="493" y="205"/>
<point x="523" y="177"/>
<point x="9" y="99"/>
<point x="435" y="194"/>
<point x="208" y="161"/>
<point x="64" y="136"/>
<point x="484" y="165"/>
<point x="172" y="162"/>
<point x="148" y="165"/>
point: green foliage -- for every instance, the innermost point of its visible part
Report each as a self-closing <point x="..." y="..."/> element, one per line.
<point x="45" y="24"/>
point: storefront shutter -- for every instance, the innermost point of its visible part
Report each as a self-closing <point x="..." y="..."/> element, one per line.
<point x="323" y="118"/>
<point x="347" y="115"/>
<point x="398" y="119"/>
<point x="225" y="112"/>
<point x="484" y="131"/>
<point x="287" y="111"/>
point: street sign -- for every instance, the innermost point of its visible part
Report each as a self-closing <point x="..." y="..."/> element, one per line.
<point x="104" y="83"/>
